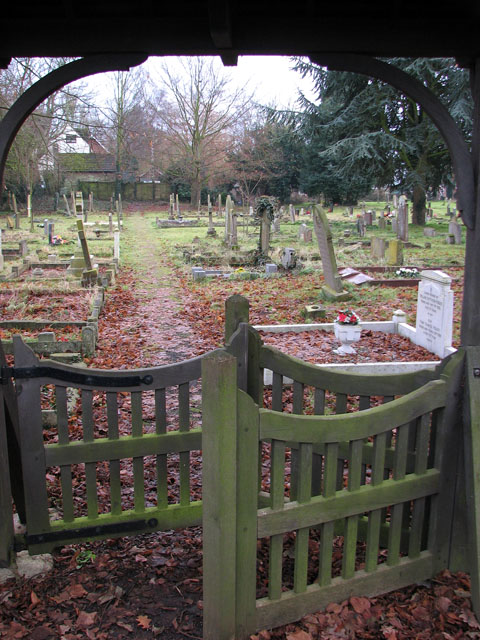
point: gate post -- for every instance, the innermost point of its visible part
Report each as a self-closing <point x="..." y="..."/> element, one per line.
<point x="6" y="513"/>
<point x="237" y="309"/>
<point x="472" y="468"/>
<point x="219" y="445"/>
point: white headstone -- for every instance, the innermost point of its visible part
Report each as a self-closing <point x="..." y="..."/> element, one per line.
<point x="434" y="312"/>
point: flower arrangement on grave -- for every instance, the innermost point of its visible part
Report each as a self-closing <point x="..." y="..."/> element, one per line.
<point x="347" y="330"/>
<point x="59" y="240"/>
<point x="407" y="272"/>
<point x="239" y="270"/>
<point x="347" y="317"/>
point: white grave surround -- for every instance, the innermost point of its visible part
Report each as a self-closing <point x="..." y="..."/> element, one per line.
<point x="434" y="312"/>
<point x="397" y="325"/>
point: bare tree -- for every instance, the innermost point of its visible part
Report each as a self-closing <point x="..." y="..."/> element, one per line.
<point x="204" y="109"/>
<point x="31" y="158"/>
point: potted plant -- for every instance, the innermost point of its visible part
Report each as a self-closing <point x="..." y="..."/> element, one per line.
<point x="347" y="330"/>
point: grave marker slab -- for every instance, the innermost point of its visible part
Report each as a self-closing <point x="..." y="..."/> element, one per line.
<point x="394" y="253"/>
<point x="455" y="230"/>
<point x="377" y="248"/>
<point x="333" y="288"/>
<point x="434" y="322"/>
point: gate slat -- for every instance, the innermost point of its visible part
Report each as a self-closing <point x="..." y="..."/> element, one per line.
<point x="375" y="517"/>
<point x="396" y="517"/>
<point x="115" y="484"/>
<point x="63" y="438"/>
<point x="297" y="408"/>
<point x="184" y="425"/>
<point x="90" y="467"/>
<point x="160" y="428"/>
<point x="277" y="492"/>
<point x="318" y="410"/>
<point x="341" y="403"/>
<point x="301" y="540"/>
<point x="351" y="525"/>
<point x="326" y="540"/>
<point x="421" y="460"/>
<point x="277" y="390"/>
<point x="138" y="465"/>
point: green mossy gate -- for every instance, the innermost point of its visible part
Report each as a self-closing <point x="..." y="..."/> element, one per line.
<point x="322" y="507"/>
<point x="345" y="485"/>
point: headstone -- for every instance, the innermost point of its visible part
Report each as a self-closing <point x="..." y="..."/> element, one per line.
<point x="302" y="211"/>
<point x="395" y="201"/>
<point x="271" y="268"/>
<point x="78" y="203"/>
<point x="394" y="253"/>
<point x="308" y="235"/>
<point x="301" y="230"/>
<point x="110" y="222"/>
<point x="368" y="218"/>
<point x="382" y="223"/>
<point x="455" y="230"/>
<point x="116" y="245"/>
<point x="434" y="312"/>
<point x="228" y="218"/>
<point x="37" y="273"/>
<point x="288" y="258"/>
<point x="88" y="341"/>
<point x="177" y="201"/>
<point x="402" y="222"/>
<point x="377" y="247"/>
<point x="234" y="234"/>
<point x="219" y="210"/>
<point x="276" y="225"/>
<point x="84" y="245"/>
<point x="22" y="245"/>
<point x="265" y="233"/>
<point x="394" y="225"/>
<point x="51" y="232"/>
<point x="291" y="212"/>
<point x="45" y="226"/>
<point x="90" y="202"/>
<point x="429" y="232"/>
<point x="211" y="229"/>
<point x="361" y="226"/>
<point x="325" y="243"/>
<point x="171" y="207"/>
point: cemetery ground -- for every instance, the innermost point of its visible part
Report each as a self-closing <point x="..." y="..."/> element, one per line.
<point x="155" y="313"/>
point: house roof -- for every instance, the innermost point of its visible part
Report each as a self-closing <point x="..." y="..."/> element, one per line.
<point x="233" y="27"/>
<point x="86" y="162"/>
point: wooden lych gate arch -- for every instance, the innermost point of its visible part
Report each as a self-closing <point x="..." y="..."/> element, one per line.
<point x="401" y="447"/>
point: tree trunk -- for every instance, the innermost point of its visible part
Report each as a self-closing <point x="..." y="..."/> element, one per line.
<point x="419" y="208"/>
<point x="195" y="192"/>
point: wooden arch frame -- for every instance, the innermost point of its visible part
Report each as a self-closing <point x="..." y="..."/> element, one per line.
<point x="463" y="161"/>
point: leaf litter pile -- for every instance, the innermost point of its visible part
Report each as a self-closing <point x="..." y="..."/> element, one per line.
<point x="151" y="585"/>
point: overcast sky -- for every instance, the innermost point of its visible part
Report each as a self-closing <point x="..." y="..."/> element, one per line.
<point x="269" y="77"/>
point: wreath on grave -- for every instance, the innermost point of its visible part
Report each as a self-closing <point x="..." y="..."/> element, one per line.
<point x="266" y="204"/>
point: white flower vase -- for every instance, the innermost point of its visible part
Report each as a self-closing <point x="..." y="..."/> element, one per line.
<point x="347" y="334"/>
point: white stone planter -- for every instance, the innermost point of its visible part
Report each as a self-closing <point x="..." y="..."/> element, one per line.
<point x="347" y="334"/>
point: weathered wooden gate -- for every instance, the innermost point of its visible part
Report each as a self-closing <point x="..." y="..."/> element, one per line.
<point x="360" y="482"/>
<point x="161" y="408"/>
<point x="324" y="506"/>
